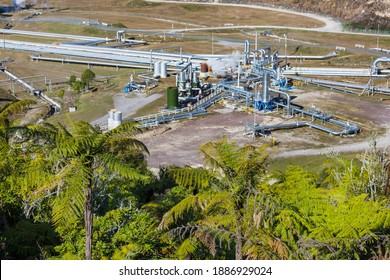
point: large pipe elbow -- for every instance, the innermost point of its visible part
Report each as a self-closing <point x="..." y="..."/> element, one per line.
<point x="376" y="63"/>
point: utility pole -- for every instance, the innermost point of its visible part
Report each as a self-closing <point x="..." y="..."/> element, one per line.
<point x="285" y="47"/>
<point x="212" y="42"/>
<point x="256" y="41"/>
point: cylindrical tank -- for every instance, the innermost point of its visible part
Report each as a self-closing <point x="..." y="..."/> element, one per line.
<point x="203" y="67"/>
<point x="163" y="69"/>
<point x="157" y="68"/>
<point x="110" y="118"/>
<point x="172" y="98"/>
<point x="266" y="83"/>
<point x="203" y="70"/>
<point x="195" y="80"/>
<point x="117" y="119"/>
<point x="181" y="81"/>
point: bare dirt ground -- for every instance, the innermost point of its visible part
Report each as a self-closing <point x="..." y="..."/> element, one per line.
<point x="177" y="143"/>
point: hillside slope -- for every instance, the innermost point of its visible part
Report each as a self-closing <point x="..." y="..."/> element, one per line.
<point x="361" y="14"/>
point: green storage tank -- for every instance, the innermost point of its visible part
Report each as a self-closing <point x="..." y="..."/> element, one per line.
<point x="172" y="98"/>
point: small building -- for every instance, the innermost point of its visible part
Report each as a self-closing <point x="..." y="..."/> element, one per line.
<point x="72" y="109"/>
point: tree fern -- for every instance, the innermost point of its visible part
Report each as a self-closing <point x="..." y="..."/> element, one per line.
<point x="16" y="107"/>
<point x="228" y="199"/>
<point x="190" y="177"/>
<point x="75" y="163"/>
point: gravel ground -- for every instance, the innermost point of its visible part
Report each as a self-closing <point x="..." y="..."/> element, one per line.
<point x="128" y="105"/>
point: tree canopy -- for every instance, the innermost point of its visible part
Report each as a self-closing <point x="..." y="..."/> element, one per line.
<point x="78" y="193"/>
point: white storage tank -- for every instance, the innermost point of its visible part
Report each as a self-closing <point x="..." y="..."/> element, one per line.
<point x="157" y="68"/>
<point x="163" y="69"/>
<point x="110" y="118"/>
<point x="117" y="119"/>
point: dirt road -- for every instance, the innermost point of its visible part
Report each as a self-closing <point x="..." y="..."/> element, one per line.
<point x="330" y="24"/>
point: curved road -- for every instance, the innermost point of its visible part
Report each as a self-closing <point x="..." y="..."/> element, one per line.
<point x="330" y="25"/>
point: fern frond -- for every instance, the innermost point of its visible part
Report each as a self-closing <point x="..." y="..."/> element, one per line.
<point x="122" y="169"/>
<point x="219" y="202"/>
<point x="16" y="107"/>
<point x="186" y="248"/>
<point x="178" y="211"/>
<point x="191" y="177"/>
<point x="220" y="157"/>
<point x="119" y="142"/>
<point x="69" y="203"/>
<point x="131" y="128"/>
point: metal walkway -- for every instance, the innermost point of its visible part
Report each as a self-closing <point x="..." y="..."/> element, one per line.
<point x="346" y="128"/>
<point x="197" y="110"/>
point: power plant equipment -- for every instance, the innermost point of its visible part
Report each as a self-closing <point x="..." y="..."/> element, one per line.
<point x="163" y="69"/>
<point x="172" y="98"/>
<point x="114" y="119"/>
<point x="157" y="69"/>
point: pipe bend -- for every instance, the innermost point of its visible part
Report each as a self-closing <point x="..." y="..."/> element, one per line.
<point x="377" y="61"/>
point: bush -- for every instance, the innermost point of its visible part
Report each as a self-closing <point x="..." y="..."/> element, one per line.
<point x="61" y="93"/>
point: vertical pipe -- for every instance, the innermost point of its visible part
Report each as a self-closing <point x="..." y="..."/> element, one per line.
<point x="238" y="74"/>
<point x="266" y="82"/>
<point x="256" y="41"/>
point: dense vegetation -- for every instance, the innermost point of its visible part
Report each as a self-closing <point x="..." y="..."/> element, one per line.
<point x="78" y="193"/>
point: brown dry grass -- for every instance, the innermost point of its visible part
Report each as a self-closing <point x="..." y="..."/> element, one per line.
<point x="344" y="40"/>
<point x="118" y="11"/>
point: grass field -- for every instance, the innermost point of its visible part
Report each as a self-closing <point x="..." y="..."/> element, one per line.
<point x="162" y="15"/>
<point x="314" y="164"/>
<point x="89" y="107"/>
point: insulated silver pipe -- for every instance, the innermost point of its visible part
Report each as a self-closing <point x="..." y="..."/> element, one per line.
<point x="377" y="61"/>
<point x="266" y="82"/>
<point x="288" y="97"/>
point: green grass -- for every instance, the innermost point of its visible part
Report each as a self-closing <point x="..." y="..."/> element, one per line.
<point x="119" y="25"/>
<point x="89" y="108"/>
<point x="140" y="4"/>
<point x="152" y="108"/>
<point x="63" y="28"/>
<point x="314" y="164"/>
<point x="194" y="8"/>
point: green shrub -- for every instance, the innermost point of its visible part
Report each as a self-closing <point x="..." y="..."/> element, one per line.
<point x="61" y="93"/>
